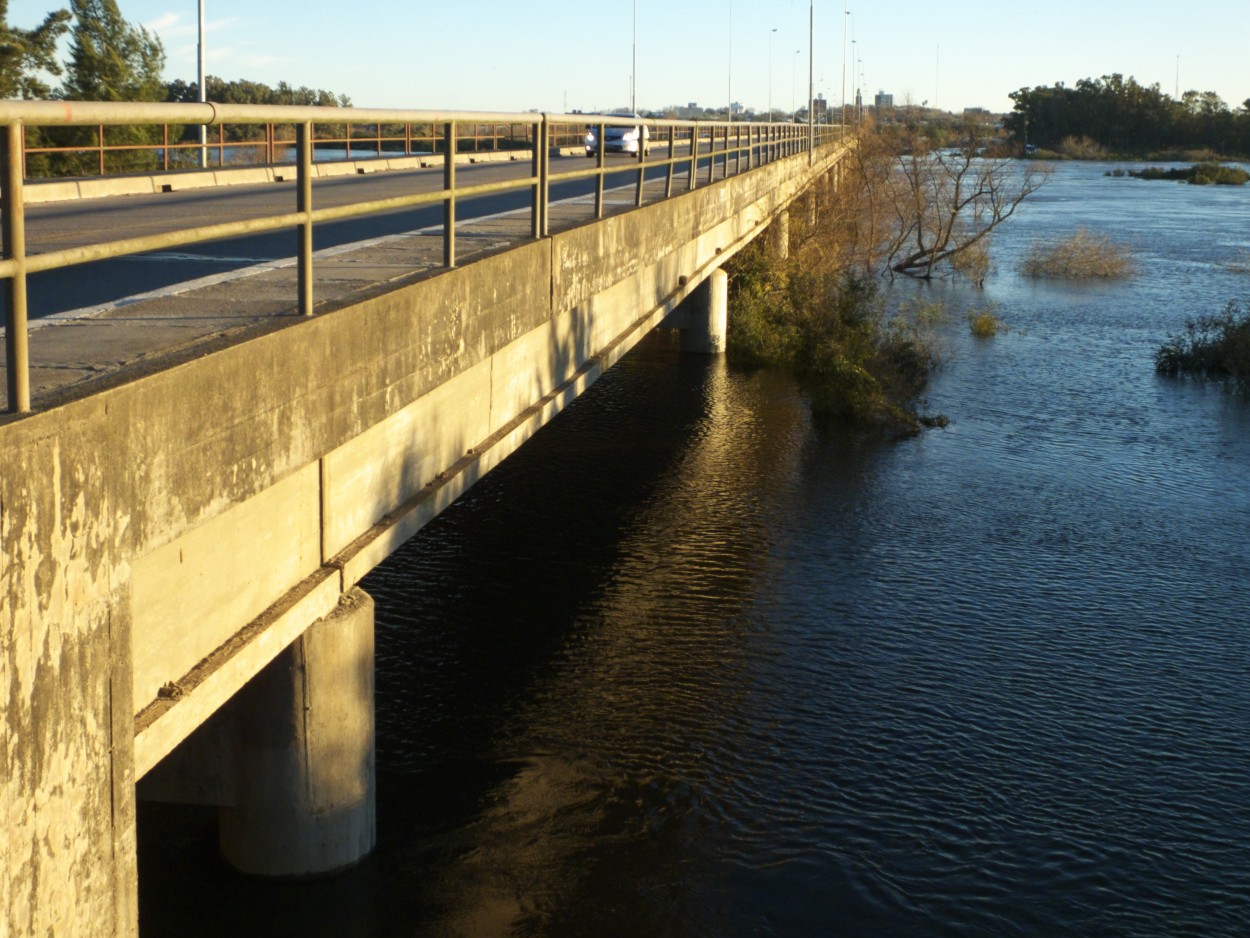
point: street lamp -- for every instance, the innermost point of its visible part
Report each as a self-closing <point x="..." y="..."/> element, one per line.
<point x="794" y="64"/>
<point x="842" y="121"/>
<point x="633" y="69"/>
<point x="770" y="73"/>
<point x="203" y="91"/>
<point x="729" y="80"/>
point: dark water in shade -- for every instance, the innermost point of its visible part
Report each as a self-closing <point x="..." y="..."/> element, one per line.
<point x="689" y="665"/>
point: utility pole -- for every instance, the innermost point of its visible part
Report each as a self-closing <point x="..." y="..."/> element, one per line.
<point x="203" y="91"/>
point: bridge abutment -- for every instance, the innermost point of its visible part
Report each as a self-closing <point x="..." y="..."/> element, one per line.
<point x="303" y="799"/>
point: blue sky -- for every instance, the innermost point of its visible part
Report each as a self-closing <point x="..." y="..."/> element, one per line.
<point x="511" y="55"/>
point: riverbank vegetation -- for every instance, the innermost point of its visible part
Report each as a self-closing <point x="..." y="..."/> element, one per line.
<point x="904" y="208"/>
<point x="1083" y="255"/>
<point x="1113" y="115"/>
<point x="916" y="209"/>
<point x="1214" y="347"/>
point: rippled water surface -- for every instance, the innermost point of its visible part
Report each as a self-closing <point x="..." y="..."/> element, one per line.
<point x="689" y="665"/>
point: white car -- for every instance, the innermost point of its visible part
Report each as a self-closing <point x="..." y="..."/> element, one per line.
<point x="619" y="138"/>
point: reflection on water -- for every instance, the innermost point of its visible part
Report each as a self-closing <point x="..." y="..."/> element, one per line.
<point x="688" y="665"/>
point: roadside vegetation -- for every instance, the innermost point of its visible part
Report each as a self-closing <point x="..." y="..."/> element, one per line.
<point x="109" y="59"/>
<point x="1213" y="347"/>
<point x="1082" y="256"/>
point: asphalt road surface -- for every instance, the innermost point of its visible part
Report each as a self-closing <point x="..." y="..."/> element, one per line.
<point x="51" y="226"/>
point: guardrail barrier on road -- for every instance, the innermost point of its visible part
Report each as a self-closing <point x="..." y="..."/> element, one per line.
<point x="723" y="148"/>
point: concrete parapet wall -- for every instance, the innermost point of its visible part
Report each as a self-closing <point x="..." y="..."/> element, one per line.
<point x="163" y="540"/>
<point x="65" y="190"/>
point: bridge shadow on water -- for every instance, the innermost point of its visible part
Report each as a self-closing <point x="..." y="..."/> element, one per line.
<point x="457" y="648"/>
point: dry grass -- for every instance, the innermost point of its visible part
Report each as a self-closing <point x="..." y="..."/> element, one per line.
<point x="1082" y="256"/>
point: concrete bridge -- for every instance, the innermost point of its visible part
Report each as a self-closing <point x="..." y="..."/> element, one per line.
<point x="179" y="549"/>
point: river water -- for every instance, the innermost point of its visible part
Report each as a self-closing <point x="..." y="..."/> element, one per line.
<point x="689" y="665"/>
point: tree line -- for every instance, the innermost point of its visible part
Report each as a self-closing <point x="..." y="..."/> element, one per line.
<point x="110" y="59"/>
<point x="1118" y="115"/>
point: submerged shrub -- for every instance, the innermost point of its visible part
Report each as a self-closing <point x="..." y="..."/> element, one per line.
<point x="830" y="329"/>
<point x="1200" y="174"/>
<point x="984" y="324"/>
<point x="1083" y="255"/>
<point x="1239" y="264"/>
<point x="1210" y="347"/>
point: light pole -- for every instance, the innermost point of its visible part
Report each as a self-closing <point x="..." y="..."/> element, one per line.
<point x="811" y="81"/>
<point x="770" y="73"/>
<point x="729" y="80"/>
<point x="203" y="91"/>
<point x="794" y="65"/>
<point x="633" y="68"/>
<point x="843" y="121"/>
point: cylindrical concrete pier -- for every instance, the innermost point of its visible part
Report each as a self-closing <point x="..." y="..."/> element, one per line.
<point x="304" y="801"/>
<point x="708" y="323"/>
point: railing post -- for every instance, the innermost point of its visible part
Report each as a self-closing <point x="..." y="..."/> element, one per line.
<point x="692" y="180"/>
<point x="540" y="171"/>
<point x="711" y="154"/>
<point x="13" y="224"/>
<point x="303" y="205"/>
<point x="600" y="161"/>
<point x="449" y="198"/>
<point x="642" y="160"/>
<point x="672" y="166"/>
<point x="101" y="149"/>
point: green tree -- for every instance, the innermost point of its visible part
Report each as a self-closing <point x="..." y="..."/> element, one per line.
<point x="25" y="53"/>
<point x="111" y="60"/>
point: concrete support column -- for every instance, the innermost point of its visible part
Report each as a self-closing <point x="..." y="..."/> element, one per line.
<point x="304" y="795"/>
<point x="708" y="322"/>
<point x="778" y="236"/>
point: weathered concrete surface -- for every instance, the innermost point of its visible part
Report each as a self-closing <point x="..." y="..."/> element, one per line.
<point x="705" y="324"/>
<point x="303" y="792"/>
<point x="104" y="499"/>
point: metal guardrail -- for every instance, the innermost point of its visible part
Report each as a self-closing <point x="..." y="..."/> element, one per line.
<point x="727" y="148"/>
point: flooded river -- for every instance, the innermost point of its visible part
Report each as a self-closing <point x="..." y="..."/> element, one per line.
<point x="689" y="665"/>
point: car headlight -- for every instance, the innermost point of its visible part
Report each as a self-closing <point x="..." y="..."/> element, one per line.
<point x="630" y="135"/>
<point x="590" y="138"/>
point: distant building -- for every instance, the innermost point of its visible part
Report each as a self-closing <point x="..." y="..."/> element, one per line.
<point x="883" y="100"/>
<point x="820" y="109"/>
<point x="976" y="112"/>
